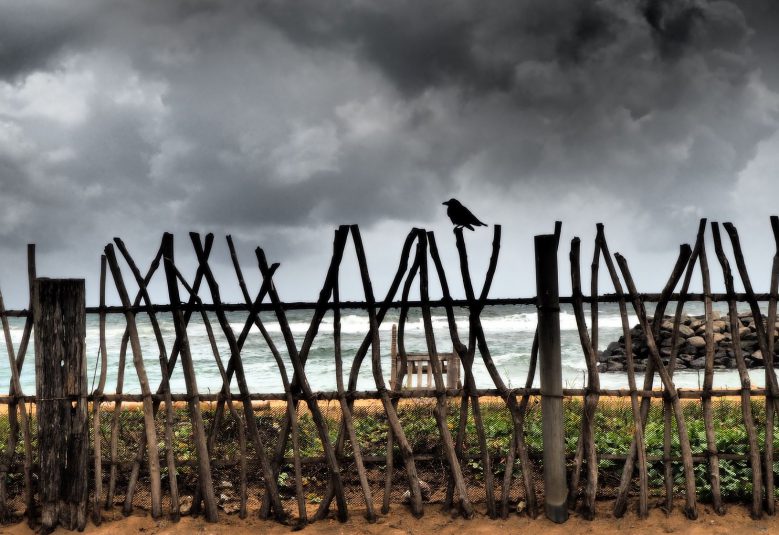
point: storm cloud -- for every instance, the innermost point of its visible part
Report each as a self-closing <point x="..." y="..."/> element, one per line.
<point x="276" y="121"/>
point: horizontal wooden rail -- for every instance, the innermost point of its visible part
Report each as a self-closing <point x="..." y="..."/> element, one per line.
<point x="362" y="305"/>
<point x="412" y="394"/>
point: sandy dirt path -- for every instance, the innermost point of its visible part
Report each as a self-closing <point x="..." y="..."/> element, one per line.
<point x="435" y="522"/>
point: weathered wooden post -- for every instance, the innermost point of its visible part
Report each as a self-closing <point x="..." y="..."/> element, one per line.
<point x="548" y="305"/>
<point x="59" y="319"/>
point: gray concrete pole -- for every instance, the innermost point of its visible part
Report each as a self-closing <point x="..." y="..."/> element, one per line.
<point x="548" y="303"/>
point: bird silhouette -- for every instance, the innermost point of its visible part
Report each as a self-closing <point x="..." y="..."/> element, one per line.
<point x="461" y="216"/>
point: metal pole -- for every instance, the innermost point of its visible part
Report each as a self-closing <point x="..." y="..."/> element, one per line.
<point x="548" y="304"/>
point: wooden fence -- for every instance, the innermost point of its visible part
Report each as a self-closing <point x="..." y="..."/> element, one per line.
<point x="53" y="506"/>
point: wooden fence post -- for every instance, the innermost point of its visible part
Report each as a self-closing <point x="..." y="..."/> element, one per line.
<point x="59" y="319"/>
<point x="548" y="305"/>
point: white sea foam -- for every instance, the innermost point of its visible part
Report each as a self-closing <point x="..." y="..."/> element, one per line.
<point x="509" y="332"/>
<point x="355" y="324"/>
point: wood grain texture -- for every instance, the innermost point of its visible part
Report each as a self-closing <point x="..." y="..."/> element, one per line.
<point x="60" y="376"/>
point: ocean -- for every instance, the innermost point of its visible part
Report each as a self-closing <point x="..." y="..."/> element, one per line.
<point x="509" y="331"/>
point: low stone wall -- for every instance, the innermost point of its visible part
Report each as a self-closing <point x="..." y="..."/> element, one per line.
<point x="692" y="345"/>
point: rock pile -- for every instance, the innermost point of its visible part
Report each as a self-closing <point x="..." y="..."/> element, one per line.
<point x="692" y="345"/>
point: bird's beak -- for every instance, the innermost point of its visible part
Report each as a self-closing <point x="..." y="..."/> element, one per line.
<point x="445" y="203"/>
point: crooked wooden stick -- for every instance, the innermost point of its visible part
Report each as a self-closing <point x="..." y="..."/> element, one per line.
<point x="573" y="486"/>
<point x="481" y="342"/>
<point x="198" y="429"/>
<point x="235" y="359"/>
<point x="392" y="415"/>
<point x="22" y="352"/>
<point x="298" y="358"/>
<point x="114" y="445"/>
<point x="620" y="504"/>
<point x="476" y="339"/>
<point x="362" y="351"/>
<point x="226" y="388"/>
<point x="401" y="374"/>
<point x="517" y="444"/>
<point x="772" y="385"/>
<point x="252" y="318"/>
<point x="271" y="494"/>
<point x="594" y="266"/>
<point x="97" y="395"/>
<point x="735" y="325"/>
<point x="593" y="385"/>
<point x="164" y="385"/>
<point x="467" y="354"/>
<point x="291" y="412"/>
<point x="708" y="382"/>
<point x="15" y="363"/>
<point x="291" y="389"/>
<point x="699" y="252"/>
<point x="135" y="470"/>
<point x="671" y="367"/>
<point x="752" y="298"/>
<point x="770" y="411"/>
<point x="148" y="412"/>
<point x="346" y="413"/>
<point x="638" y="419"/>
<point x="441" y="405"/>
<point x="684" y="440"/>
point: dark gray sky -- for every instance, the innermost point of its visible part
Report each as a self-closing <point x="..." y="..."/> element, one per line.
<point x="276" y="121"/>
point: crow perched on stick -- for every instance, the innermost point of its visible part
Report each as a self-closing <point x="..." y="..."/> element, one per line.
<point x="461" y="216"/>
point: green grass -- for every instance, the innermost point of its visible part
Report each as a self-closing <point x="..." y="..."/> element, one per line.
<point x="613" y="435"/>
